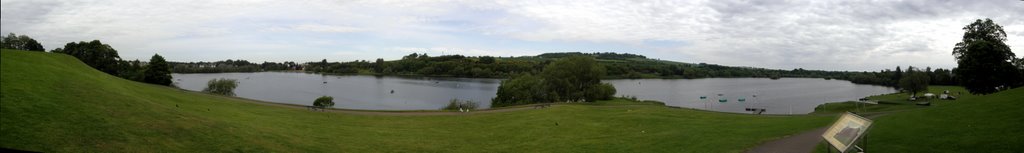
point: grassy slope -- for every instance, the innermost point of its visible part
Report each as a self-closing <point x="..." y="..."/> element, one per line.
<point x="972" y="123"/>
<point x="990" y="123"/>
<point x="54" y="103"/>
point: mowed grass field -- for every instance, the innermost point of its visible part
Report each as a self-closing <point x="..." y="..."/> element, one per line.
<point x="972" y="123"/>
<point x="55" y="103"/>
<point x="975" y="123"/>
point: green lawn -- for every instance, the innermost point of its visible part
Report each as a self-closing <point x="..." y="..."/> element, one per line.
<point x="991" y="123"/>
<point x="892" y="102"/>
<point x="54" y="103"/>
<point x="972" y="123"/>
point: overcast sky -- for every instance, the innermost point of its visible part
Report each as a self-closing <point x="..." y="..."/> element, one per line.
<point x="852" y="35"/>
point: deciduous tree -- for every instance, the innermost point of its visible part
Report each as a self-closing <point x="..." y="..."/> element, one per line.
<point x="984" y="59"/>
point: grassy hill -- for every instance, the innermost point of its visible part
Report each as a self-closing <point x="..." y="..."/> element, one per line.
<point x="55" y="103"/>
<point x="989" y="123"/>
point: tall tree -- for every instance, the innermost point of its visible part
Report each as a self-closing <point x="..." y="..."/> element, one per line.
<point x="984" y="60"/>
<point x="914" y="82"/>
<point x="378" y="66"/>
<point x="158" y="71"/>
<point x="898" y="75"/>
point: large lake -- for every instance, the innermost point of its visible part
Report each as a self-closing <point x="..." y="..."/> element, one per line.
<point x="783" y="96"/>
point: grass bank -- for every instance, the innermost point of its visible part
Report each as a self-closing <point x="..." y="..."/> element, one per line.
<point x="972" y="123"/>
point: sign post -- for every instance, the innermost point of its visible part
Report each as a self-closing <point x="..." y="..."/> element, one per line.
<point x="845" y="133"/>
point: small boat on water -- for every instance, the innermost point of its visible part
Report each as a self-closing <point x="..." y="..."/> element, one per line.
<point x="742" y="99"/>
<point x="723" y="100"/>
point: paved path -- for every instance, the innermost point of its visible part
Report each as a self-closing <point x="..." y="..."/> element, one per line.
<point x="802" y="142"/>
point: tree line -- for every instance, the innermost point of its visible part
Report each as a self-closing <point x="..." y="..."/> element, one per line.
<point x="892" y="78"/>
<point x="101" y="57"/>
<point x="617" y="66"/>
<point x="20" y="42"/>
<point x="231" y="66"/>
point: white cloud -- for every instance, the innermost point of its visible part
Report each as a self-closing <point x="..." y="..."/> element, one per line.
<point x="839" y="35"/>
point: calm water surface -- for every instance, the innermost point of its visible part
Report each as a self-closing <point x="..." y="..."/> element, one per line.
<point x="783" y="96"/>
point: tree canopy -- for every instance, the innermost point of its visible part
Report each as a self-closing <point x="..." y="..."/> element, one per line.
<point x="95" y="54"/>
<point x="20" y="42"/>
<point x="571" y="77"/>
<point x="914" y="81"/>
<point x="985" y="62"/>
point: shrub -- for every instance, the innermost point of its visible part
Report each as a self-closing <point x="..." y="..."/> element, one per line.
<point x="221" y="86"/>
<point x="604" y="91"/>
<point x="324" y="102"/>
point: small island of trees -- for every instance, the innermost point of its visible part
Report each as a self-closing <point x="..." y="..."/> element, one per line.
<point x="573" y="79"/>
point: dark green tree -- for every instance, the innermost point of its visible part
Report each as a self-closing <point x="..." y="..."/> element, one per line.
<point x="914" y="82"/>
<point x="324" y="102"/>
<point x="984" y="60"/>
<point x="157" y="71"/>
<point x="571" y="77"/>
<point x="520" y="89"/>
<point x="897" y="76"/>
<point x="603" y="91"/>
<point x="95" y="54"/>
<point x="378" y="66"/>
<point x="131" y="70"/>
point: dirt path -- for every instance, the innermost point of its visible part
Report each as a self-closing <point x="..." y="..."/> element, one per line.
<point x="804" y="141"/>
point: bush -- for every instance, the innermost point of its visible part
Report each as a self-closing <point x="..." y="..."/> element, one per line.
<point x="604" y="91"/>
<point x="324" y="102"/>
<point x="520" y="89"/>
<point x="455" y="104"/>
<point x="221" y="86"/>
